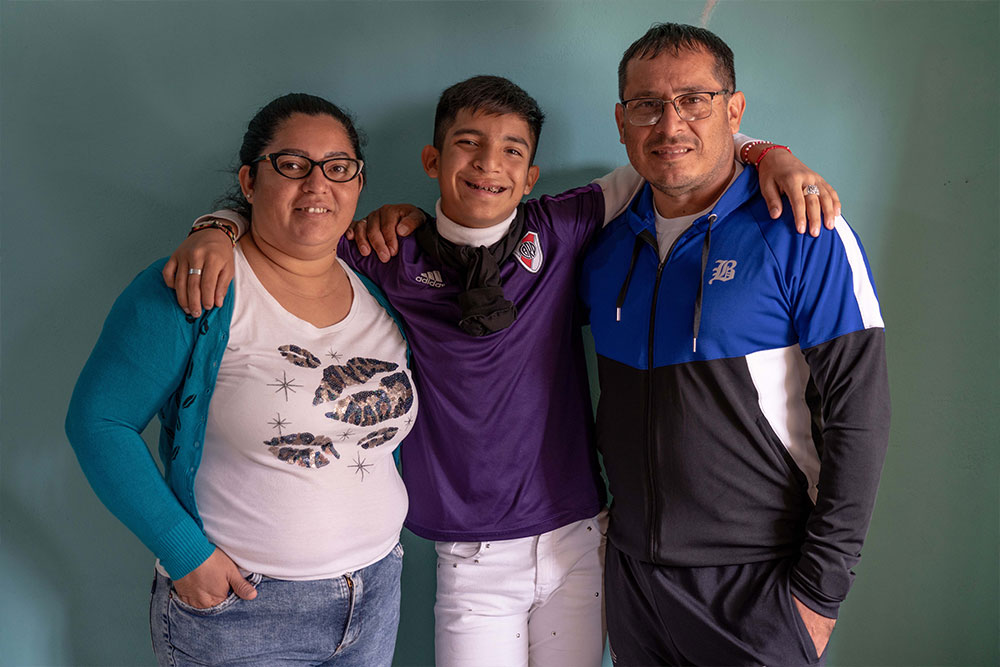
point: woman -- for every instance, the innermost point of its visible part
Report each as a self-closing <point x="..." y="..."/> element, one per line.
<point x="276" y="522"/>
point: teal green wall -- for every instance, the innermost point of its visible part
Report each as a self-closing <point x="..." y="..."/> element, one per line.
<point x="118" y="120"/>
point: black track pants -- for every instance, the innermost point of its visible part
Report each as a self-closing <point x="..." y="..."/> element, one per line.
<point x="729" y="615"/>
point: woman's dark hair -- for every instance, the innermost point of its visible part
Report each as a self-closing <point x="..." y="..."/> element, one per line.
<point x="261" y="131"/>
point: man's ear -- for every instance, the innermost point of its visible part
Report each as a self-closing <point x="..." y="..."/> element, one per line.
<point x="246" y="182"/>
<point x="430" y="158"/>
<point x="735" y="108"/>
<point x="620" y="120"/>
<point x="532" y="179"/>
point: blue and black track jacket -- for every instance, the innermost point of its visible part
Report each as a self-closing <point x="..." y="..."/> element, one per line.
<point x="744" y="411"/>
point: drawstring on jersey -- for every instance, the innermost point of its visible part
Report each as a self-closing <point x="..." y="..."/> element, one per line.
<point x="701" y="283"/>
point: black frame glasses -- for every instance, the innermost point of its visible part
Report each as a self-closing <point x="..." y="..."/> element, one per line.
<point x="351" y="165"/>
<point x="687" y="100"/>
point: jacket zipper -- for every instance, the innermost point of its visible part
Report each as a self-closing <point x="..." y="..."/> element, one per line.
<point x="650" y="440"/>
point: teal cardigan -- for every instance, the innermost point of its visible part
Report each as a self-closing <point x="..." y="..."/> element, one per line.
<point x="152" y="359"/>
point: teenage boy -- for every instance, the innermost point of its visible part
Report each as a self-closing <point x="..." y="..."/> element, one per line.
<point x="500" y="466"/>
<point x="744" y="413"/>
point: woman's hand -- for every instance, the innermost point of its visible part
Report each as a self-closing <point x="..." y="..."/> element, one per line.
<point x="781" y="172"/>
<point x="211" y="252"/>
<point x="209" y="584"/>
<point x="379" y="229"/>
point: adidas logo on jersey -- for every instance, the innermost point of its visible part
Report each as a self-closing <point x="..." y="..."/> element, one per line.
<point x="432" y="278"/>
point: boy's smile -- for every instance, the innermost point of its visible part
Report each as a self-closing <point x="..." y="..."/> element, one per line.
<point x="483" y="167"/>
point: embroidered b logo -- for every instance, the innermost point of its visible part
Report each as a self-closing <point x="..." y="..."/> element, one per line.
<point x="725" y="270"/>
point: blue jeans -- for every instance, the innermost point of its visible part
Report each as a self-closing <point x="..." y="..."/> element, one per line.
<point x="350" y="620"/>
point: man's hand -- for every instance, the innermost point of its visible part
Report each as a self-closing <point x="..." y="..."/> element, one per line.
<point x="211" y="252"/>
<point x="379" y="229"/>
<point x="782" y="173"/>
<point x="820" y="627"/>
<point x="209" y="584"/>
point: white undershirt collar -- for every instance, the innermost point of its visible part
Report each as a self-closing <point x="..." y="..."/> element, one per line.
<point x="471" y="236"/>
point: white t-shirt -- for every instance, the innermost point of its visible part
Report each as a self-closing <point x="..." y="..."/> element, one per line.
<point x="297" y="480"/>
<point x="669" y="230"/>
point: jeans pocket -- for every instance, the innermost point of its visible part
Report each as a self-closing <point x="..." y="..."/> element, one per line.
<point x="214" y="610"/>
<point x="600" y="522"/>
<point x="459" y="550"/>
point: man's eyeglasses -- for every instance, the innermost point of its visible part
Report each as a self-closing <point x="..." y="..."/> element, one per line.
<point x="646" y="111"/>
<point x="337" y="169"/>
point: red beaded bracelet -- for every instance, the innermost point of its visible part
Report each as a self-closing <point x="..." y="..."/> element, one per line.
<point x="768" y="150"/>
<point x="747" y="147"/>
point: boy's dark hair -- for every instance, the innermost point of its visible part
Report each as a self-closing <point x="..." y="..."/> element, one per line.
<point x="492" y="95"/>
<point x="261" y="129"/>
<point x="674" y="37"/>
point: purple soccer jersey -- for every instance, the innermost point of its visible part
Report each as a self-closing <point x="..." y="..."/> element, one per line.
<point x="502" y="447"/>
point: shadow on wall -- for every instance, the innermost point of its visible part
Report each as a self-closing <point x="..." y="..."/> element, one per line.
<point x="71" y="589"/>
<point x="923" y="577"/>
<point x="73" y="576"/>
<point x="43" y="586"/>
<point x="393" y="163"/>
<point x="415" y="640"/>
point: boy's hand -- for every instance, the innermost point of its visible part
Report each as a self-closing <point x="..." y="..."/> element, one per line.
<point x="379" y="229"/>
<point x="211" y="252"/>
<point x="781" y="172"/>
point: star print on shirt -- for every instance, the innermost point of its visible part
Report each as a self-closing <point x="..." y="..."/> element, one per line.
<point x="344" y="435"/>
<point x="284" y="385"/>
<point x="336" y="356"/>
<point x="360" y="466"/>
<point x="279" y="423"/>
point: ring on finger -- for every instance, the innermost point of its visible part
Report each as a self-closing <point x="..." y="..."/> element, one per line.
<point x="810" y="190"/>
<point x="194" y="272"/>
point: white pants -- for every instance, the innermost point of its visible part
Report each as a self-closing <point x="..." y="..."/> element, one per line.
<point x="530" y="601"/>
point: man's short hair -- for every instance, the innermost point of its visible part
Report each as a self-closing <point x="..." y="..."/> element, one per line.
<point x="493" y="95"/>
<point x="676" y="36"/>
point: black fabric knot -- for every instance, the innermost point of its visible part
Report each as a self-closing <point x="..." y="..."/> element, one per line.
<point x="484" y="308"/>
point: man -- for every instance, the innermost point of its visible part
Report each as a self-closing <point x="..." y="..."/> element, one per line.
<point x="744" y="396"/>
